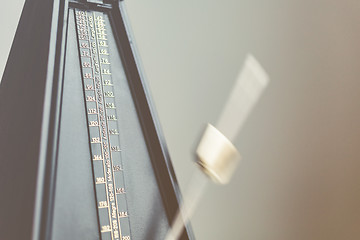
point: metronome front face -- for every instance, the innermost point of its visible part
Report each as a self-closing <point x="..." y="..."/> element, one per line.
<point x="101" y="142"/>
<point x="112" y="178"/>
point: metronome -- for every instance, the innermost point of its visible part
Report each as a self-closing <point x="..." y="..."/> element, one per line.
<point x="82" y="155"/>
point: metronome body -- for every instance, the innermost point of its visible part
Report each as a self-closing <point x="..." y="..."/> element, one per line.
<point x="81" y="151"/>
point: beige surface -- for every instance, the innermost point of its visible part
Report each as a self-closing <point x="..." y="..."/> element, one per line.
<point x="300" y="174"/>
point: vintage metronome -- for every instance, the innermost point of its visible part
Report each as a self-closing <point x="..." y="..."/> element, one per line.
<point x="81" y="152"/>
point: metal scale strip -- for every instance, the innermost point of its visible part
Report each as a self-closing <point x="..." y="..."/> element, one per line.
<point x="103" y="128"/>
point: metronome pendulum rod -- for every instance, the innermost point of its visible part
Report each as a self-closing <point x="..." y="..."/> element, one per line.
<point x="216" y="155"/>
<point x="192" y="197"/>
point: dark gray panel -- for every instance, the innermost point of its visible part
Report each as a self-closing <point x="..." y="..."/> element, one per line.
<point x="147" y="215"/>
<point x="74" y="208"/>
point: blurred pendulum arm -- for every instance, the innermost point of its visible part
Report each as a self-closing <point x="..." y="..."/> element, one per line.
<point x="247" y="90"/>
<point x="216" y="155"/>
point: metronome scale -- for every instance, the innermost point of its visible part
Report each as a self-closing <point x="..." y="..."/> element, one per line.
<point x="103" y="128"/>
<point x="82" y="155"/>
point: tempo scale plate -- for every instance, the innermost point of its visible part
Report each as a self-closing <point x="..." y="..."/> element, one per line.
<point x="103" y="127"/>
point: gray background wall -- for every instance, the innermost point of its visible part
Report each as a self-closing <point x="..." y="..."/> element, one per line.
<point x="300" y="174"/>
